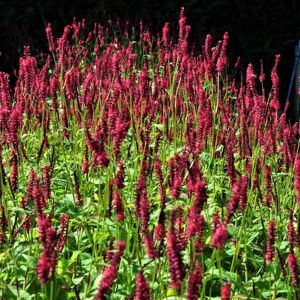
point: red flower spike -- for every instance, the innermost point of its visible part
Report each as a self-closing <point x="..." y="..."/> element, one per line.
<point x="119" y="179"/>
<point x="270" y="242"/>
<point x="222" y="61"/>
<point x="14" y="124"/>
<point x="50" y="37"/>
<point x="142" y="287"/>
<point x="294" y="269"/>
<point x="250" y="79"/>
<point x="291" y="233"/>
<point x="159" y="231"/>
<point x="47" y="182"/>
<point x="85" y="167"/>
<point x="226" y="291"/>
<point x="274" y="101"/>
<point x="194" y="282"/>
<point x="43" y="268"/>
<point x="200" y="196"/>
<point x="219" y="236"/>
<point x="63" y="230"/>
<point x="243" y="192"/>
<point x="297" y="179"/>
<point x="118" y="205"/>
<point x="176" y="266"/>
<point x="38" y="198"/>
<point x="48" y="237"/>
<point x="3" y="224"/>
<point x="262" y="75"/>
<point x="166" y="34"/>
<point x="110" y="274"/>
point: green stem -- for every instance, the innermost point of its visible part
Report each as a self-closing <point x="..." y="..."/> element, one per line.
<point x="212" y="262"/>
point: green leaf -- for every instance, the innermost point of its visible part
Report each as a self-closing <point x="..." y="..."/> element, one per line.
<point x="96" y="282"/>
<point x="159" y="126"/>
<point x="20" y="294"/>
<point x="171" y="293"/>
<point x="74" y="257"/>
<point x="77" y="281"/>
<point x="31" y="260"/>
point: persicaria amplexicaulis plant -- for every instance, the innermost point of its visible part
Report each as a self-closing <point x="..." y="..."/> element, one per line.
<point x="114" y="135"/>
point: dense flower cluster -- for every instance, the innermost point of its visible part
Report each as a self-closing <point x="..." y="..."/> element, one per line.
<point x="270" y="242"/>
<point x="117" y="136"/>
<point x="110" y="273"/>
